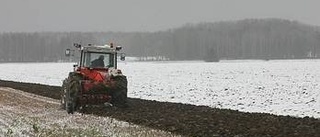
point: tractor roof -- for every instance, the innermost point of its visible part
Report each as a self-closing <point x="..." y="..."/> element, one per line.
<point x="98" y="48"/>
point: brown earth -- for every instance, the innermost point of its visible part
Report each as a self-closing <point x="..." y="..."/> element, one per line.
<point x="190" y="120"/>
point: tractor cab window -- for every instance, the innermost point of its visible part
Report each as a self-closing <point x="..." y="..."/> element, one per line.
<point x="98" y="60"/>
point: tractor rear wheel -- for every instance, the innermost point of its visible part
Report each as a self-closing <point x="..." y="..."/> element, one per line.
<point x="119" y="95"/>
<point x="73" y="89"/>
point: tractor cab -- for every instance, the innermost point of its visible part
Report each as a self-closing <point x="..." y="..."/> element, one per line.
<point x="96" y="56"/>
<point x="98" y="60"/>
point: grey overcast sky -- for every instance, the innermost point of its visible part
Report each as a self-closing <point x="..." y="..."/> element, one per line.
<point x="143" y="15"/>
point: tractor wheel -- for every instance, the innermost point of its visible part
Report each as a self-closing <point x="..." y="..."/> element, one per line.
<point x="72" y="93"/>
<point x="119" y="95"/>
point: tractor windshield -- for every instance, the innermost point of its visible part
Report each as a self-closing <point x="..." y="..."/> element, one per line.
<point x="98" y="60"/>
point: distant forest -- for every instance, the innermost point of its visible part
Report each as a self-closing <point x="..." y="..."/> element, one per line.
<point x="245" y="39"/>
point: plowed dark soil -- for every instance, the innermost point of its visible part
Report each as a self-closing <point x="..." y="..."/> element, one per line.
<point x="190" y="120"/>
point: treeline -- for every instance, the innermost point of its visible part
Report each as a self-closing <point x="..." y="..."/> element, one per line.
<point x="37" y="47"/>
<point x="245" y="39"/>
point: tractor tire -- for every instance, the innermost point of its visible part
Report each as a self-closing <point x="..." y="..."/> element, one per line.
<point x="119" y="95"/>
<point x="73" y="89"/>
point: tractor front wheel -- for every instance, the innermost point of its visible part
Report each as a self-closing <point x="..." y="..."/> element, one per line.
<point x="119" y="95"/>
<point x="71" y="91"/>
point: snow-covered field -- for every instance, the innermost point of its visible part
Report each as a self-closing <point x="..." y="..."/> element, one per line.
<point x="281" y="87"/>
<point x="24" y="114"/>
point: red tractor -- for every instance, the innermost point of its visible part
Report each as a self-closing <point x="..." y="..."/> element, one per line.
<point x="95" y="80"/>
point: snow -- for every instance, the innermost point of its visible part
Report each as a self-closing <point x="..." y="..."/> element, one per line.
<point x="281" y="87"/>
<point x="26" y="114"/>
